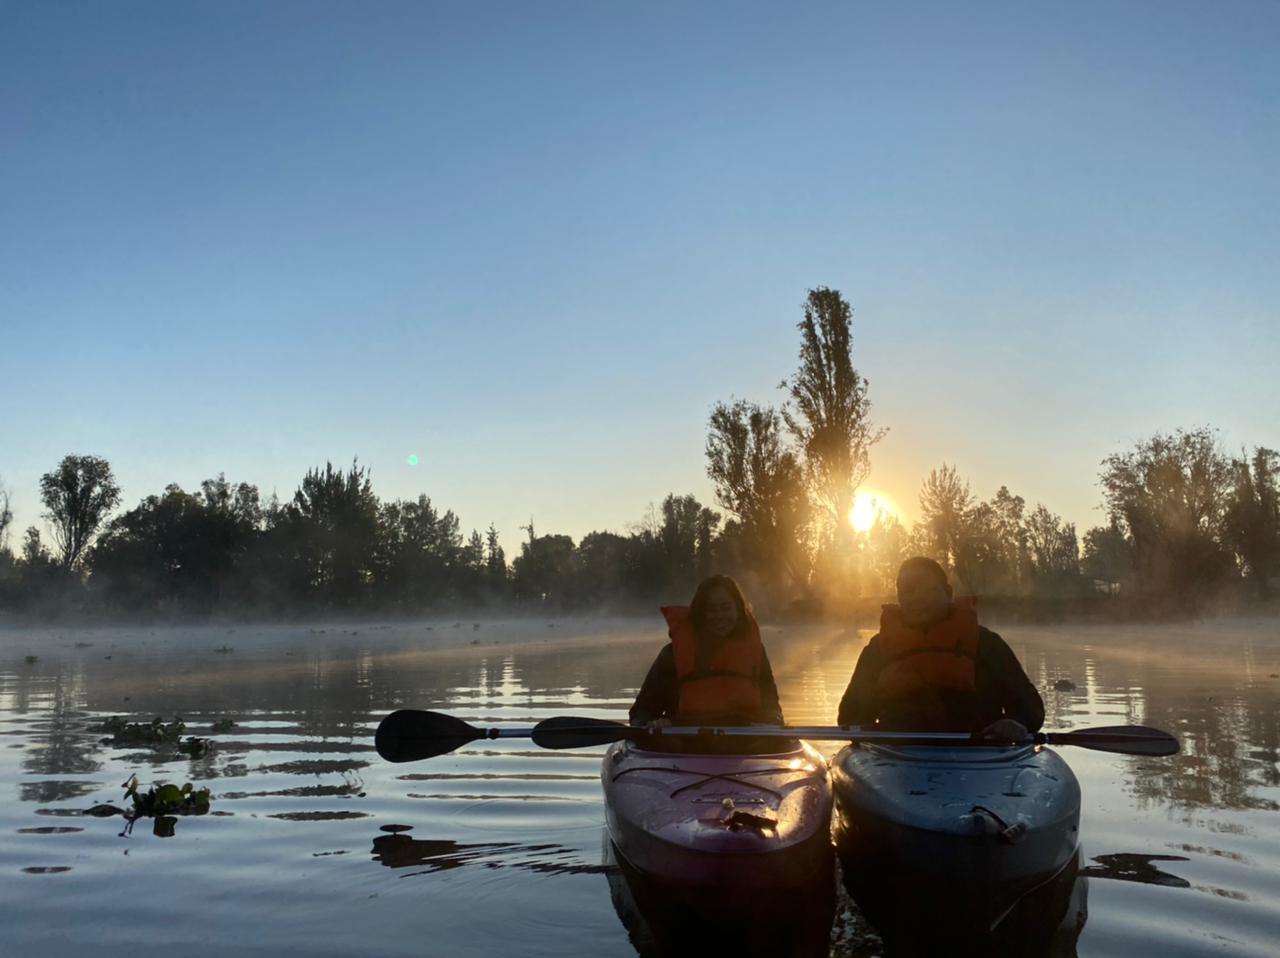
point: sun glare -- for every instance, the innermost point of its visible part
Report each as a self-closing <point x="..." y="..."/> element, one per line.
<point x="866" y="507"/>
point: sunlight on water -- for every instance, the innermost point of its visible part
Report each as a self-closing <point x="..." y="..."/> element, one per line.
<point x="315" y="845"/>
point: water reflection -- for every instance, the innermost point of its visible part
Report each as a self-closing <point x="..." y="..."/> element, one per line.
<point x="1137" y="868"/>
<point x="398" y="850"/>
<point x="505" y="821"/>
<point x="662" y="921"/>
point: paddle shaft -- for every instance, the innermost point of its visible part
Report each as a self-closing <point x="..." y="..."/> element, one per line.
<point x="408" y="735"/>
<point x="812" y="732"/>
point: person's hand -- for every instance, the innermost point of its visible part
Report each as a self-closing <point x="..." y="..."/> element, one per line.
<point x="1005" y="730"/>
<point x="654" y="724"/>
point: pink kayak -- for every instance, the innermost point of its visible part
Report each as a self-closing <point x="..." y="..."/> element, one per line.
<point x="737" y="822"/>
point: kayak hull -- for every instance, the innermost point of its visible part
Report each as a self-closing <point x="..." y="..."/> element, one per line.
<point x="718" y="825"/>
<point x="669" y="921"/>
<point x="968" y="832"/>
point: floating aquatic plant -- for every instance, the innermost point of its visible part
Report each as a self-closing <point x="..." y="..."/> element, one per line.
<point x="156" y="733"/>
<point x="166" y="799"/>
<point x="162" y="802"/>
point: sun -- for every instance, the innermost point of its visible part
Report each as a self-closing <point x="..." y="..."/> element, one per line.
<point x="867" y="507"/>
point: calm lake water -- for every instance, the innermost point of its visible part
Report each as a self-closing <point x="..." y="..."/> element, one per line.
<point x="316" y="847"/>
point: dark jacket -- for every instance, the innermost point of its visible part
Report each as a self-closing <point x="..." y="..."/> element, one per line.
<point x="1003" y="691"/>
<point x="659" y="695"/>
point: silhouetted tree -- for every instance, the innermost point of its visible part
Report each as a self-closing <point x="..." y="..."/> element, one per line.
<point x="419" y="556"/>
<point x="6" y="517"/>
<point x="1252" y="516"/>
<point x="231" y="521"/>
<point x="153" y="555"/>
<point x="758" y="480"/>
<point x="686" y="524"/>
<point x="1168" y="495"/>
<point x="495" y="563"/>
<point x="1053" y="551"/>
<point x="884" y="546"/>
<point x="609" y="567"/>
<point x="945" y="507"/>
<point x="34" y="576"/>
<point x="828" y="412"/>
<point x="78" y="494"/>
<point x="543" y="571"/>
<point x="34" y="552"/>
<point x="1107" y="556"/>
<point x="334" y="516"/>
<point x="178" y="549"/>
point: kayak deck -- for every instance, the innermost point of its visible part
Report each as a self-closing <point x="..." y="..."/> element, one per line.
<point x="697" y="819"/>
<point x="970" y="830"/>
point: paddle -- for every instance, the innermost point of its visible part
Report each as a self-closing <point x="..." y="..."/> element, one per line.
<point x="570" y="732"/>
<point x="408" y="735"/>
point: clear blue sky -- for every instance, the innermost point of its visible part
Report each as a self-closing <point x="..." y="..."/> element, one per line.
<point x="533" y="243"/>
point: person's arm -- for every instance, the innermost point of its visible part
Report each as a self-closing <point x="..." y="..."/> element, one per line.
<point x="770" y="707"/>
<point x="857" y="706"/>
<point x="1017" y="696"/>
<point x="657" y="696"/>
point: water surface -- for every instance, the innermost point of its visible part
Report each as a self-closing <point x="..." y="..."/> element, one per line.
<point x="314" y="845"/>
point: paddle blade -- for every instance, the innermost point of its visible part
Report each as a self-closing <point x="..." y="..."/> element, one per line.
<point x="411" y="734"/>
<point x="1123" y="739"/>
<point x="566" y="731"/>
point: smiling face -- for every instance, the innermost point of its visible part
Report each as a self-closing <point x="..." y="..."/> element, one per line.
<point x="924" y="597"/>
<point x="721" y="616"/>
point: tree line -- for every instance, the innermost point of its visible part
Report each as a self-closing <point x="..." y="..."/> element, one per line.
<point x="1185" y="522"/>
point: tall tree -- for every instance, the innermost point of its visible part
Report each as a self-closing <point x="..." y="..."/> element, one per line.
<point x="1252" y="516"/>
<point x="419" y="556"/>
<point x="945" y="514"/>
<point x="1168" y="495"/>
<point x="78" y="494"/>
<point x="828" y="413"/>
<point x="1053" y="551"/>
<point x="6" y="517"/>
<point x="885" y="547"/>
<point x="495" y="563"/>
<point x="335" y="520"/>
<point x="543" y="573"/>
<point x="685" y="538"/>
<point x="758" y="480"/>
<point x="231" y="522"/>
<point x="1107" y="556"/>
<point x="157" y="554"/>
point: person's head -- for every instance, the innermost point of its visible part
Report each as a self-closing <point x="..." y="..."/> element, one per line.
<point x="924" y="593"/>
<point x="718" y="609"/>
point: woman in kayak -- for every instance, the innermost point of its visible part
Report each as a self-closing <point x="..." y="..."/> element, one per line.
<point x="933" y="668"/>
<point x="715" y="670"/>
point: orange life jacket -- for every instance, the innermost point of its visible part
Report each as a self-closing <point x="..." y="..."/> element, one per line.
<point x="942" y="658"/>
<point x="728" y="685"/>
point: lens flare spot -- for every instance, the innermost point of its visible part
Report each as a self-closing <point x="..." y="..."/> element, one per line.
<point x="412" y="460"/>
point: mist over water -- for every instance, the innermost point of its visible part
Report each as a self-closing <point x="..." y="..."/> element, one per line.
<point x="314" y="845"/>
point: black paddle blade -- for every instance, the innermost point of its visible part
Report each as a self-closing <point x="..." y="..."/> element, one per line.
<point x="1124" y="739"/>
<point x="566" y="731"/>
<point x="411" y="734"/>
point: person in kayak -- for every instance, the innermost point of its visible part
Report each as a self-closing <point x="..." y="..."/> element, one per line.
<point x="933" y="668"/>
<point x="715" y="670"/>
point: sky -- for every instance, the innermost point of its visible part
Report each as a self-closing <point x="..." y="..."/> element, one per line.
<point x="533" y="244"/>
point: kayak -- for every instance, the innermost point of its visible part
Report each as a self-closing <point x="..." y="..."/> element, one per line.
<point x="961" y="833"/>
<point x="734" y="822"/>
